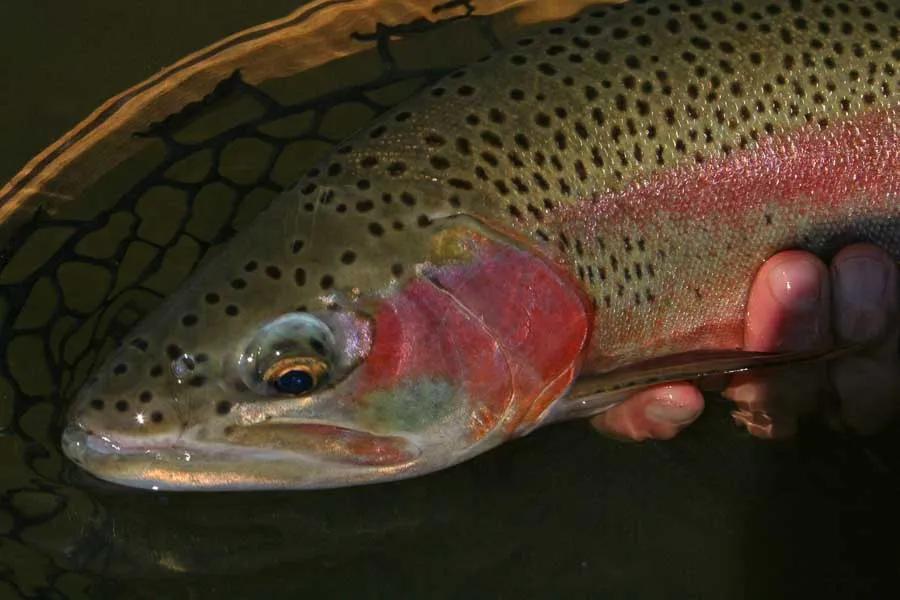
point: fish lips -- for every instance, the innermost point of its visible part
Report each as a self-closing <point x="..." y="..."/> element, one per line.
<point x="269" y="455"/>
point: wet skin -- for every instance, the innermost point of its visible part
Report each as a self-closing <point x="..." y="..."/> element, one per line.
<point x="797" y="302"/>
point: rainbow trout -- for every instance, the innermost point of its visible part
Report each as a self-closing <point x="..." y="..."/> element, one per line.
<point x="579" y="214"/>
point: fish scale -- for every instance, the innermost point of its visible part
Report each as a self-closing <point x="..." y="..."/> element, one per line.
<point x="646" y="158"/>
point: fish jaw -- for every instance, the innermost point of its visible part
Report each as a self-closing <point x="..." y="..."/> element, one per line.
<point x="317" y="456"/>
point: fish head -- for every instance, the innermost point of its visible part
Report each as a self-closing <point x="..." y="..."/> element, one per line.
<point x="273" y="368"/>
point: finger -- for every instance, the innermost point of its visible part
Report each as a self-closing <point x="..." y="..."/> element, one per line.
<point x="865" y="283"/>
<point x="788" y="309"/>
<point x="789" y="305"/>
<point x="865" y="293"/>
<point x="770" y="405"/>
<point x="658" y="413"/>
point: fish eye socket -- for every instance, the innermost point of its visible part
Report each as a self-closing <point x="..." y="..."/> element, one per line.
<point x="296" y="376"/>
<point x="291" y="355"/>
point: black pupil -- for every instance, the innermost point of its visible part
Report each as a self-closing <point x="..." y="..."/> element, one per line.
<point x="295" y="382"/>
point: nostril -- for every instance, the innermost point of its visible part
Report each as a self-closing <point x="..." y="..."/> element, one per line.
<point x="140" y="343"/>
<point x="97" y="404"/>
<point x="121" y="406"/>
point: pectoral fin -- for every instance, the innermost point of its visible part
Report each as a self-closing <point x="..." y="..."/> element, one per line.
<point x="594" y="394"/>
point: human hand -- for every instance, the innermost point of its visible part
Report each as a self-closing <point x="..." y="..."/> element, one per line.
<point x="796" y="303"/>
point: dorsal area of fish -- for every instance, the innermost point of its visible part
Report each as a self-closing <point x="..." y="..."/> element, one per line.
<point x="556" y="138"/>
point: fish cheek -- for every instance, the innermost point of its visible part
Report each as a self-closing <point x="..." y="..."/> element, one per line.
<point x="413" y="407"/>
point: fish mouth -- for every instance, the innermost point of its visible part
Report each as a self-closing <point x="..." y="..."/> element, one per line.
<point x="270" y="455"/>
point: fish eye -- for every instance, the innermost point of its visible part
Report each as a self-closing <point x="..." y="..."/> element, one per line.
<point x="291" y="355"/>
<point x="295" y="376"/>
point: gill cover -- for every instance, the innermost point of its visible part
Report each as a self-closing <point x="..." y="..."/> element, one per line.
<point x="503" y="321"/>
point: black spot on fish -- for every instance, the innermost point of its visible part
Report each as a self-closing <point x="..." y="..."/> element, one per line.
<point x="396" y="168"/>
<point x="460" y="184"/>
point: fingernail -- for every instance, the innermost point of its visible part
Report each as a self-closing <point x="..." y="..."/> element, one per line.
<point x="861" y="283"/>
<point x="796" y="284"/>
<point x="665" y="412"/>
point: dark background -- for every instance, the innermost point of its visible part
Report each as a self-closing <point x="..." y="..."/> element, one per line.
<point x="60" y="60"/>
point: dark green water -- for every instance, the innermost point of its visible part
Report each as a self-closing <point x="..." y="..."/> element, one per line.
<point x="563" y="512"/>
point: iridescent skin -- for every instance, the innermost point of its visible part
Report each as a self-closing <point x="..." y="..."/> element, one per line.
<point x="598" y="196"/>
